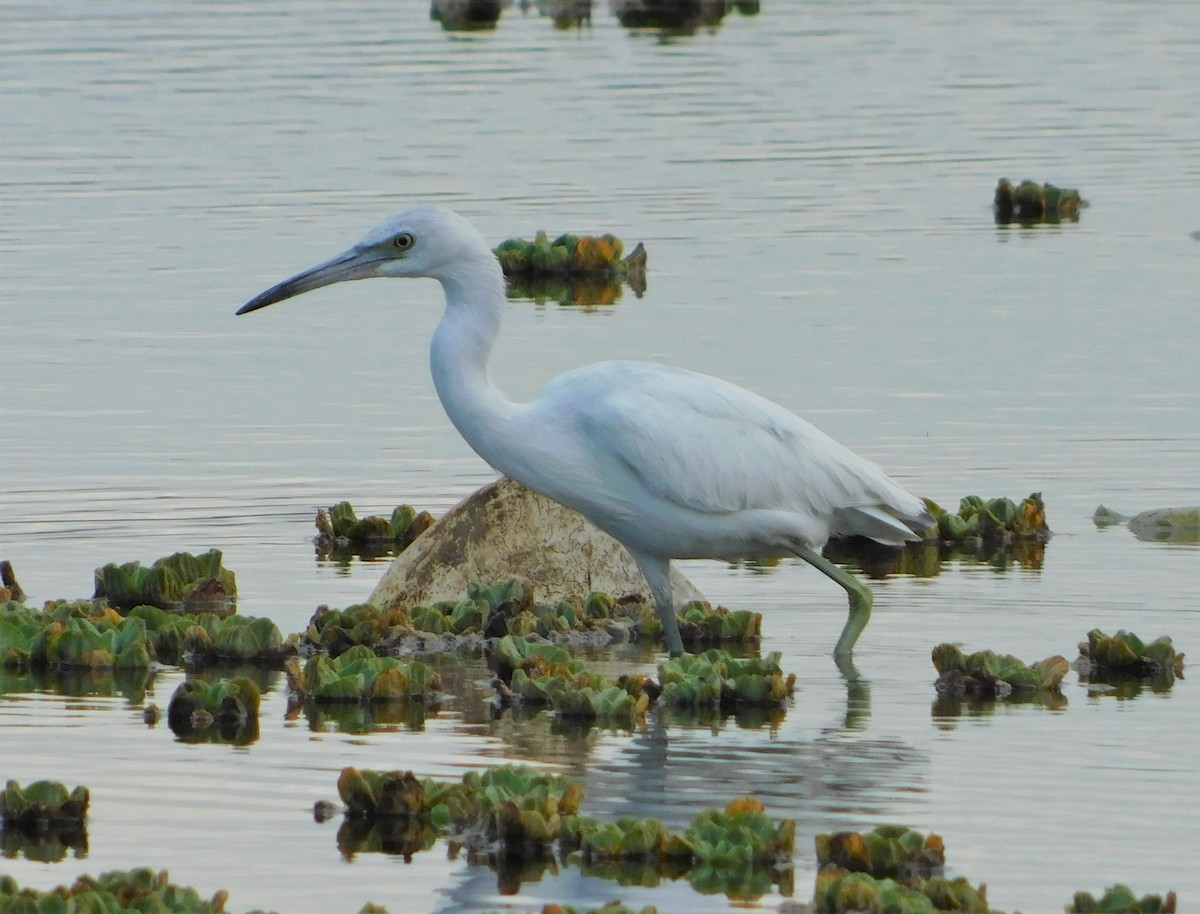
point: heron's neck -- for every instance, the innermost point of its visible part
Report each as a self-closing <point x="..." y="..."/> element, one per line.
<point x="459" y="354"/>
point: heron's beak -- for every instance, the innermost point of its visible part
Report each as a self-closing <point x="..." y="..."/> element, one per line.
<point x="352" y="264"/>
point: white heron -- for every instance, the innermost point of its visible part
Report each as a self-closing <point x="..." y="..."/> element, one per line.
<point x="671" y="463"/>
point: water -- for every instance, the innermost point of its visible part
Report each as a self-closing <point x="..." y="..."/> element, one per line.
<point x="813" y="186"/>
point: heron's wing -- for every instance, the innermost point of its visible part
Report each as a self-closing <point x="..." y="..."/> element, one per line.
<point x="711" y="446"/>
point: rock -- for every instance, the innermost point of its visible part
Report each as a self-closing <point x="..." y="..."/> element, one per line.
<point x="1173" y="525"/>
<point x="504" y="531"/>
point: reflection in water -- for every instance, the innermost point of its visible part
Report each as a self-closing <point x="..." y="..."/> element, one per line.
<point x="679" y="17"/>
<point x="946" y="708"/>
<point x="676" y="17"/>
<point x="44" y="845"/>
<point x="1125" y="687"/>
<point x="926" y="559"/>
<point x="132" y="684"/>
<point x="466" y="15"/>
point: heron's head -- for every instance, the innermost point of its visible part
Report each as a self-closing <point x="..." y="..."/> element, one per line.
<point x="425" y="241"/>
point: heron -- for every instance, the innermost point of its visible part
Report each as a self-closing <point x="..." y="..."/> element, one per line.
<point x="671" y="463"/>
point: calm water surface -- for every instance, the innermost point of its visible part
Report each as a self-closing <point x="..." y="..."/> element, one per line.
<point x="813" y="185"/>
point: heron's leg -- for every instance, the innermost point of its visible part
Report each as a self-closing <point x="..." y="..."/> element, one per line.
<point x="658" y="575"/>
<point x="859" y="593"/>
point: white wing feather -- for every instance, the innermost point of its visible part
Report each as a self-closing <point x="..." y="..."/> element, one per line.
<point x="713" y="447"/>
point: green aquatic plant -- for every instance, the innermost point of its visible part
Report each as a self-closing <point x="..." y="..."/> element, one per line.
<point x="889" y="851"/>
<point x="840" y="892"/>
<point x="995" y="519"/>
<point x="193" y="582"/>
<point x="516" y="805"/>
<point x="613" y="907"/>
<point x="986" y="674"/>
<point x="585" y="270"/>
<point x="43" y="805"/>
<point x="1125" y="652"/>
<point x="742" y="834"/>
<point x="70" y="635"/>
<point x="1120" y="899"/>
<point x="491" y="611"/>
<point x="205" y="638"/>
<point x="359" y="675"/>
<point x="566" y="255"/>
<point x="716" y="679"/>
<point x="545" y="675"/>
<point x="230" y="705"/>
<point x="340" y="527"/>
<point x="116" y="892"/>
<point x="1030" y="203"/>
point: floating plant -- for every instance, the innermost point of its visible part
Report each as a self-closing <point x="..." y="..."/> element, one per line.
<point x="987" y="675"/>
<point x="492" y="611"/>
<point x="359" y="675"/>
<point x="999" y="520"/>
<point x="890" y="851"/>
<point x="1120" y="899"/>
<point x="519" y="807"/>
<point x="718" y="680"/>
<point x="43" y="821"/>
<point x="341" y="531"/>
<point x="70" y="636"/>
<point x="43" y="805"/>
<point x="228" y="705"/>
<point x="996" y="530"/>
<point x="193" y="583"/>
<point x="585" y="270"/>
<point x="111" y="893"/>
<point x="204" y="638"/>
<point x="518" y="813"/>
<point x="545" y="675"/>
<point x="1126" y="653"/>
<point x="738" y="850"/>
<point x="840" y="892"/>
<point x="567" y="255"/>
<point x="1030" y="203"/>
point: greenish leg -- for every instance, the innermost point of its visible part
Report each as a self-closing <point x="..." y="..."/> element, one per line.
<point x="658" y="576"/>
<point x="859" y="593"/>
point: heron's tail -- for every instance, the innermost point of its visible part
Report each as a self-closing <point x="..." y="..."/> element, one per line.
<point x="882" y="523"/>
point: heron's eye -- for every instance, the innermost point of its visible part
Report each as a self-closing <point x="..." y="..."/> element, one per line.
<point x="404" y="241"/>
